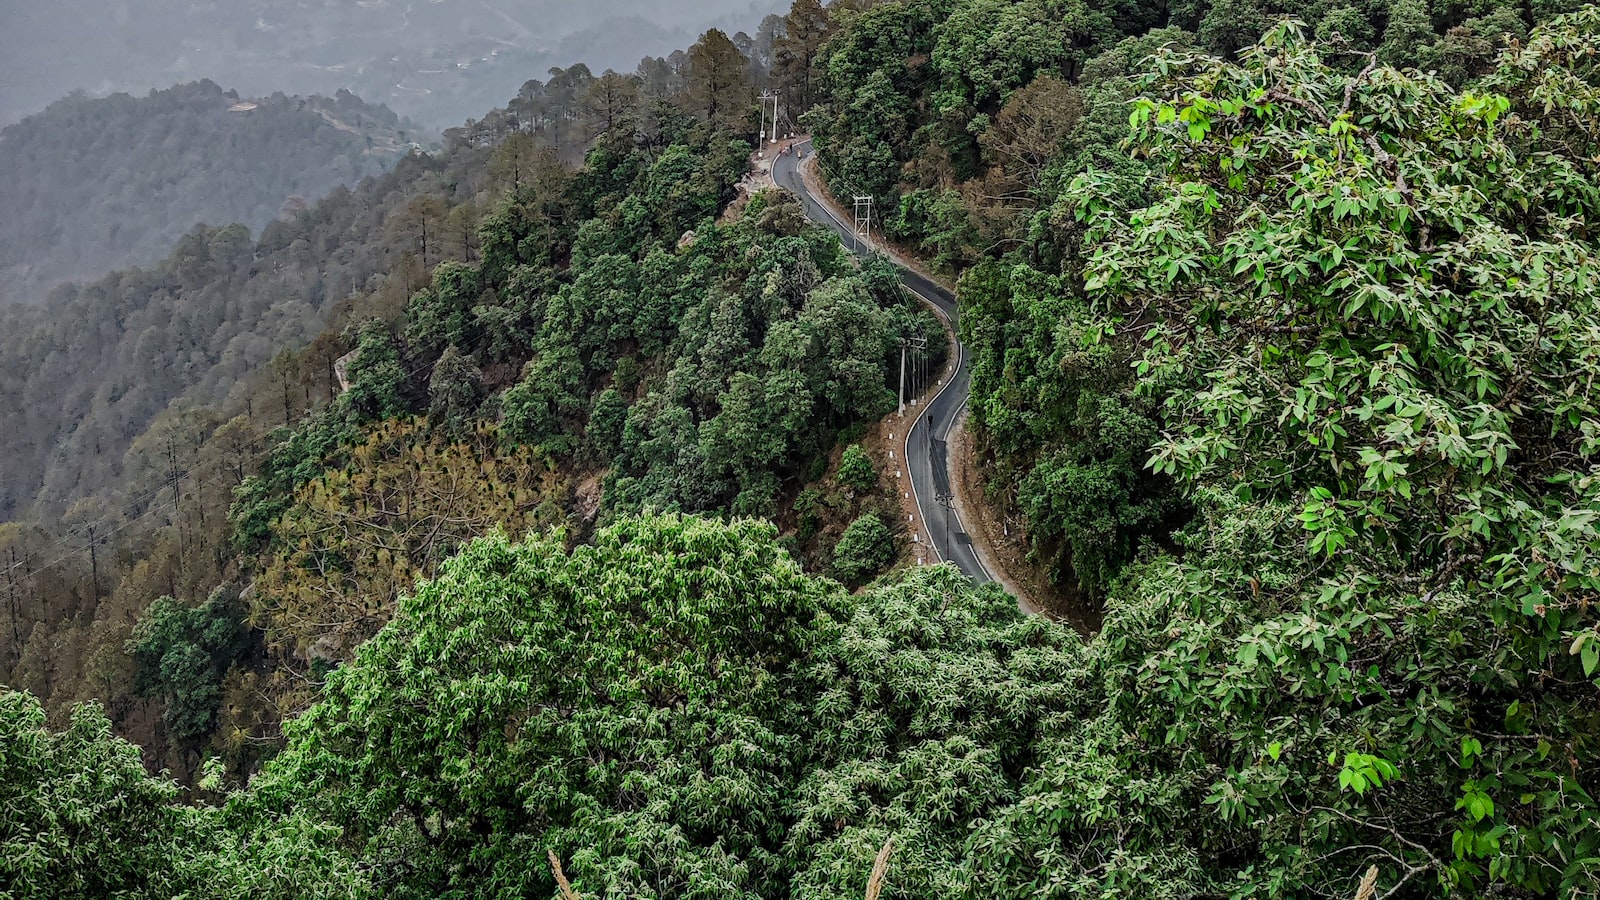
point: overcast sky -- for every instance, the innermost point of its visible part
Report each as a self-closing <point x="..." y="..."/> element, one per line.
<point x="439" y="61"/>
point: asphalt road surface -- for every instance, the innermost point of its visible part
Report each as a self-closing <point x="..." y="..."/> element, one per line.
<point x="926" y="449"/>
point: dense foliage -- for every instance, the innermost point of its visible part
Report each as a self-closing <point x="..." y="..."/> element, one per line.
<point x="674" y="708"/>
<point x="91" y="185"/>
<point x="1285" y="353"/>
<point x="183" y="653"/>
<point x="865" y="548"/>
<point x="80" y="817"/>
<point x="666" y="361"/>
<point x="143" y="399"/>
<point x="149" y="398"/>
<point x="78" y="813"/>
<point x="1368" y="304"/>
<point x="967" y="120"/>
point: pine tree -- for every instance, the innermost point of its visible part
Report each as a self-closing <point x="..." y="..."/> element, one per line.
<point x="719" y="88"/>
<point x="805" y="30"/>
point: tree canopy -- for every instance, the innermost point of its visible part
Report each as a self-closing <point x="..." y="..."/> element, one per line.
<point x="1281" y="353"/>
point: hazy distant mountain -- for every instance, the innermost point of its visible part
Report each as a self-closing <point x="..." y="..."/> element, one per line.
<point x="436" y="61"/>
<point x="91" y="185"/>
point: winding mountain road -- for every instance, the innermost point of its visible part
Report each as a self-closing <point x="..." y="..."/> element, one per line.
<point x="926" y="449"/>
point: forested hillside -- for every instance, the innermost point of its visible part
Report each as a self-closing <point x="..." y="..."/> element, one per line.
<point x="435" y="62"/>
<point x="970" y="122"/>
<point x="92" y="185"/>
<point x="144" y="398"/>
<point x="506" y="340"/>
<point x="86" y="373"/>
<point x="563" y="559"/>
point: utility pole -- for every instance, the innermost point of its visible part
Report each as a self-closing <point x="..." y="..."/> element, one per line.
<point x="94" y="567"/>
<point x="761" y="135"/>
<point x="863" y="220"/>
<point x="761" y="130"/>
<point x="16" y="609"/>
<point x="918" y="343"/>
<point x="903" y="343"/>
<point x="172" y="471"/>
<point x="199" y="486"/>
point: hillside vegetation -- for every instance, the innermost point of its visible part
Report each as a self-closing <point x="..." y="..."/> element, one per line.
<point x="523" y="342"/>
<point x="92" y="185"/>
<point x="434" y="62"/>
<point x="972" y="124"/>
<point x="1283" y="348"/>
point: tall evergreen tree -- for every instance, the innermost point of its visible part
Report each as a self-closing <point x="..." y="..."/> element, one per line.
<point x="795" y="50"/>
<point x="719" y="88"/>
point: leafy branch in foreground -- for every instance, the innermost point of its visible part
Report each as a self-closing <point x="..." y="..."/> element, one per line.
<point x="1368" y="308"/>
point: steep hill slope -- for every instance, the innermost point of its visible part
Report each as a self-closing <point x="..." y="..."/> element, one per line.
<point x="1292" y="360"/>
<point x="90" y="185"/>
<point x="83" y="375"/>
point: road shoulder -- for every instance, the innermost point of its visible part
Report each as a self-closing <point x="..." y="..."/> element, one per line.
<point x="1002" y="554"/>
<point x="811" y="175"/>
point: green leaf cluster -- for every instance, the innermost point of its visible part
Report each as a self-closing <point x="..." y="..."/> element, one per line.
<point x="1366" y="307"/>
<point x="676" y="710"/>
<point x="865" y="548"/>
<point x="855" y="469"/>
<point x="182" y="654"/>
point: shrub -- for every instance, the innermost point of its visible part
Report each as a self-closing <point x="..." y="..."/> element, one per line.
<point x="865" y="549"/>
<point x="855" y="469"/>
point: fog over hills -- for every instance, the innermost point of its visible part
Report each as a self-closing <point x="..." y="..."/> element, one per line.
<point x="94" y="184"/>
<point x="436" y="61"/>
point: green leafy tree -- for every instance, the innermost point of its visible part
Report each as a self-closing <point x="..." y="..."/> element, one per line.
<point x="855" y="469"/>
<point x="532" y="696"/>
<point x="1059" y="411"/>
<point x="1408" y="31"/>
<point x="79" y="816"/>
<point x="454" y="390"/>
<point x="440" y="315"/>
<point x="606" y="418"/>
<point x="297" y="457"/>
<point x="377" y="383"/>
<point x="1346" y="23"/>
<point x="989" y="48"/>
<point x="865" y="548"/>
<point x="1230" y="26"/>
<point x="612" y="105"/>
<point x="718" y="84"/>
<point x="680" y="681"/>
<point x="183" y="653"/>
<point x="864" y="129"/>
<point x="936" y="700"/>
<point x="806" y="30"/>
<point x="1368" y="330"/>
